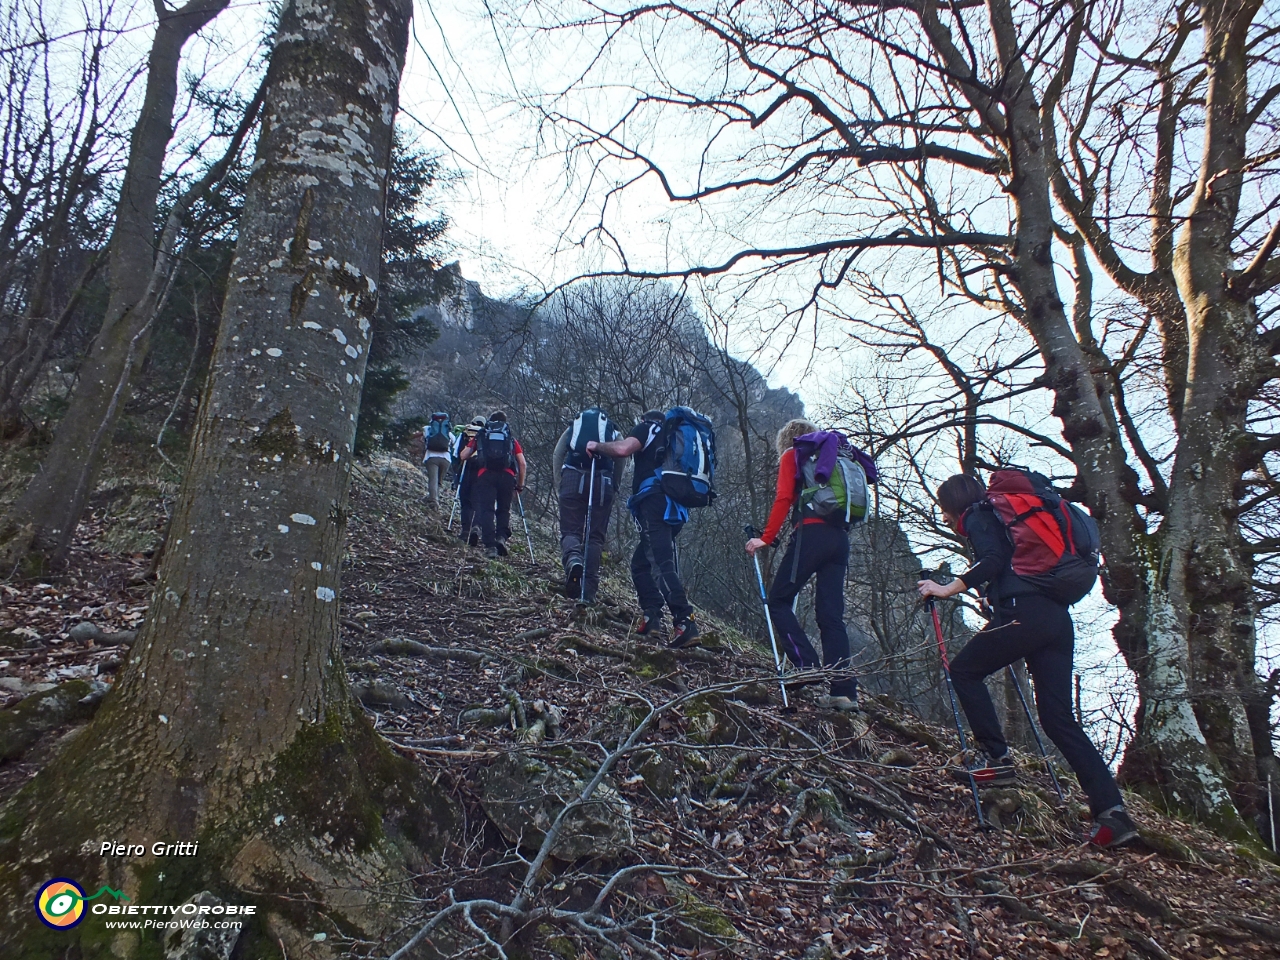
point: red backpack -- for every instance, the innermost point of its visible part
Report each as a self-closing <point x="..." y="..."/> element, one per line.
<point x="1056" y="545"/>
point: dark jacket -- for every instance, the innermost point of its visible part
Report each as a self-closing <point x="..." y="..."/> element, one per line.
<point x="993" y="550"/>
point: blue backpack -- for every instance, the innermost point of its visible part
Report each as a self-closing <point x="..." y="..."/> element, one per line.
<point x="688" y="468"/>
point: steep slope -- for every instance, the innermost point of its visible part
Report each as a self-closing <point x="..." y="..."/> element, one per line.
<point x="721" y="826"/>
<point x="728" y="827"/>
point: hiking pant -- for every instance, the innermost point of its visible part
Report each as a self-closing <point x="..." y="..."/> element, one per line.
<point x="435" y="467"/>
<point x="1038" y="630"/>
<point x="573" y="522"/>
<point x="466" y="501"/>
<point x="655" y="569"/>
<point x="824" y="553"/>
<point x="491" y="497"/>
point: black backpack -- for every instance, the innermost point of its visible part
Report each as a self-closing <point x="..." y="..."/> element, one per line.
<point x="436" y="433"/>
<point x="591" y="424"/>
<point x="495" y="446"/>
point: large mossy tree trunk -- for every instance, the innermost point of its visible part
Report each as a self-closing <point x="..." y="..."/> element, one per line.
<point x="1227" y="366"/>
<point x="39" y="527"/>
<point x="233" y="725"/>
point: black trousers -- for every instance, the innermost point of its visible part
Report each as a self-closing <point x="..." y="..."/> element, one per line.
<point x="655" y="568"/>
<point x="573" y="522"/>
<point x="1038" y="630"/>
<point x="491" y="497"/>
<point x="824" y="554"/>
<point x="466" y="500"/>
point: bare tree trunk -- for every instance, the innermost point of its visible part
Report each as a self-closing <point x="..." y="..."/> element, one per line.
<point x="234" y="724"/>
<point x="41" y="524"/>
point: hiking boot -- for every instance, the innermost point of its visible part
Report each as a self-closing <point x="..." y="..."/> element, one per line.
<point x="1112" y="828"/>
<point x="573" y="582"/>
<point x="993" y="771"/>
<point x="650" y="625"/>
<point x="491" y="553"/>
<point x="684" y="636"/>
<point x="474" y="539"/>
<point x="501" y="547"/>
<point x="838" y="703"/>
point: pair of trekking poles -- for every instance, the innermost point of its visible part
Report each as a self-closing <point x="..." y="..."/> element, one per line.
<point x="955" y="713"/>
<point x="457" y="500"/>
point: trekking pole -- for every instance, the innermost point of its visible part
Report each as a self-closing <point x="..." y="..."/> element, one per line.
<point x="528" y="539"/>
<point x="457" y="499"/>
<point x="955" y="710"/>
<point x="586" y="533"/>
<point x="1271" y="814"/>
<point x="1048" y="765"/>
<point x="750" y="531"/>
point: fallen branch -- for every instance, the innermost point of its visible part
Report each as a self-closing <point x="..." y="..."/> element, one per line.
<point x="399" y="647"/>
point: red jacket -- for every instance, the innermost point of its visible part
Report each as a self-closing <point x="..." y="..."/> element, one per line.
<point x="785" y="498"/>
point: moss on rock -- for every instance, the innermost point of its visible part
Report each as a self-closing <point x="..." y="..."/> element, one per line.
<point x="23" y="724"/>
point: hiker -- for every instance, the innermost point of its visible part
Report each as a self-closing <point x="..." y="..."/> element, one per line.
<point x="500" y="475"/>
<point x="1028" y="624"/>
<point x="586" y="497"/>
<point x="436" y="434"/>
<point x="659" y="518"/>
<point x="464" y="482"/>
<point x="818" y="548"/>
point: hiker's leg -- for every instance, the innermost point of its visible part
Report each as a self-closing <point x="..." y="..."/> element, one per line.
<point x="831" y="548"/>
<point x="504" y="485"/>
<point x="438" y="478"/>
<point x="786" y="626"/>
<point x="1050" y="669"/>
<point x="433" y="480"/>
<point x="484" y="496"/>
<point x="467" y="503"/>
<point x="648" y="593"/>
<point x="600" y="512"/>
<point x="573" y="514"/>
<point x="662" y="546"/>
<point x="992" y="648"/>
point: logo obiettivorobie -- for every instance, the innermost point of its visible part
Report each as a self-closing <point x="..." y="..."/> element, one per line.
<point x="60" y="902"/>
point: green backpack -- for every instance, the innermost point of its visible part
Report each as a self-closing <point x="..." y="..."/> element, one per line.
<point x="842" y="500"/>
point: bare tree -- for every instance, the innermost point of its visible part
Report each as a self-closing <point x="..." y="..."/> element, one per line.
<point x="55" y="153"/>
<point x="39" y="528"/>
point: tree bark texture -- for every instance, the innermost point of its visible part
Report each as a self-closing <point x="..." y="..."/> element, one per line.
<point x="44" y="519"/>
<point x="234" y="724"/>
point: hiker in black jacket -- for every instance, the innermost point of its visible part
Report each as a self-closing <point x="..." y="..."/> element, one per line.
<point x="1026" y="625"/>
<point x="465" y="482"/>
<point x="655" y="565"/>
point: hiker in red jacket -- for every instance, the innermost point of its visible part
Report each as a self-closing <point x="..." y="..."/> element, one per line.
<point x="500" y="476"/>
<point x="1027" y="625"/>
<point x="823" y="553"/>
